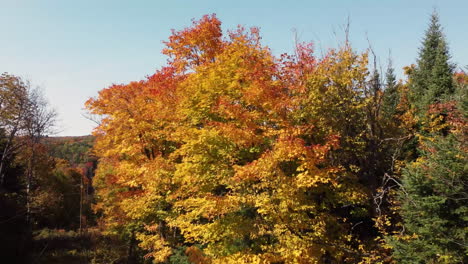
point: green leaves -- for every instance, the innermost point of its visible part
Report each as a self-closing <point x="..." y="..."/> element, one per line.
<point x="433" y="206"/>
<point x="431" y="81"/>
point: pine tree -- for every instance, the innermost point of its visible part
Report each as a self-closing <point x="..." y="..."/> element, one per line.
<point x="434" y="205"/>
<point x="433" y="194"/>
<point x="391" y="96"/>
<point x="432" y="78"/>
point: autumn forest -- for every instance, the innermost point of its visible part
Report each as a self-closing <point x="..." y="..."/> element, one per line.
<point x="231" y="154"/>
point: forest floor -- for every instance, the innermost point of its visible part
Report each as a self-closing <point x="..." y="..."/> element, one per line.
<point x="57" y="246"/>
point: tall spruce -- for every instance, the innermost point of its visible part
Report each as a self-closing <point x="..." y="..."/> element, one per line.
<point x="433" y="194"/>
<point x="391" y="96"/>
<point x="432" y="78"/>
<point x="434" y="207"/>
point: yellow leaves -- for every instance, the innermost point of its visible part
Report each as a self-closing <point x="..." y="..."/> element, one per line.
<point x="234" y="152"/>
<point x="208" y="207"/>
<point x="306" y="180"/>
<point x="159" y="249"/>
<point x="244" y="258"/>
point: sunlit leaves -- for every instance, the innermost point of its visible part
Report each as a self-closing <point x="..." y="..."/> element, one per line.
<point x="233" y="153"/>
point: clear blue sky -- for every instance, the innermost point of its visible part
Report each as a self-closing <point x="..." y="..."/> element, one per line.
<point x="75" y="48"/>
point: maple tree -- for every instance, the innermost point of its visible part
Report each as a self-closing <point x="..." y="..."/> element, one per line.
<point x="236" y="155"/>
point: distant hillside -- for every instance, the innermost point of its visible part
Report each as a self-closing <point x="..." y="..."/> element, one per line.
<point x="76" y="150"/>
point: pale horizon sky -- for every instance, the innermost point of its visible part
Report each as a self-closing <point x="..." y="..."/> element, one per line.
<point x="73" y="49"/>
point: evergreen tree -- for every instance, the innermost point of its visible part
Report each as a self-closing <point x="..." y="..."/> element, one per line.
<point x="375" y="83"/>
<point x="434" y="205"/>
<point x="391" y="96"/>
<point x="433" y="194"/>
<point x="432" y="78"/>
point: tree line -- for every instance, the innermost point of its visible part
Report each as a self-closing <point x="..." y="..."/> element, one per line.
<point x="229" y="154"/>
<point x="38" y="188"/>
